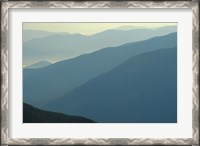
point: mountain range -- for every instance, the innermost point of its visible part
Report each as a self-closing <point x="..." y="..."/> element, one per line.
<point x="143" y="89"/>
<point x="122" y="75"/>
<point x="45" y="84"/>
<point x="35" y="34"/>
<point x="51" y="46"/>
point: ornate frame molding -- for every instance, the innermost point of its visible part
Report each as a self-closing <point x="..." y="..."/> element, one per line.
<point x="97" y="4"/>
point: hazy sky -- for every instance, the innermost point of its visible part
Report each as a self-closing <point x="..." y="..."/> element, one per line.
<point x="89" y="28"/>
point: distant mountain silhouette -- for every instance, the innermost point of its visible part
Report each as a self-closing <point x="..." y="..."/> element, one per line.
<point x="45" y="84"/>
<point x="64" y="46"/>
<point x="141" y="90"/>
<point x="39" y="64"/>
<point x="35" y="34"/>
<point x="34" y="115"/>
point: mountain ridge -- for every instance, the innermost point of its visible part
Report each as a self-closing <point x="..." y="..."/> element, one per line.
<point x="55" y="80"/>
<point x="66" y="46"/>
<point x="143" y="89"/>
<point x="35" y="115"/>
<point x="39" y="64"/>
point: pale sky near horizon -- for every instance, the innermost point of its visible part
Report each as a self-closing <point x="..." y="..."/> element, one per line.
<point x="89" y="28"/>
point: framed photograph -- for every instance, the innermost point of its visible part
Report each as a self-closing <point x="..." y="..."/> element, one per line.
<point x="100" y="73"/>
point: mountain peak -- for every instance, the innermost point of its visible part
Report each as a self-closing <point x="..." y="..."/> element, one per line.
<point x="39" y="64"/>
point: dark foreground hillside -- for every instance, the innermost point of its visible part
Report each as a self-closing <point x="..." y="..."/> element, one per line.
<point x="34" y="115"/>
